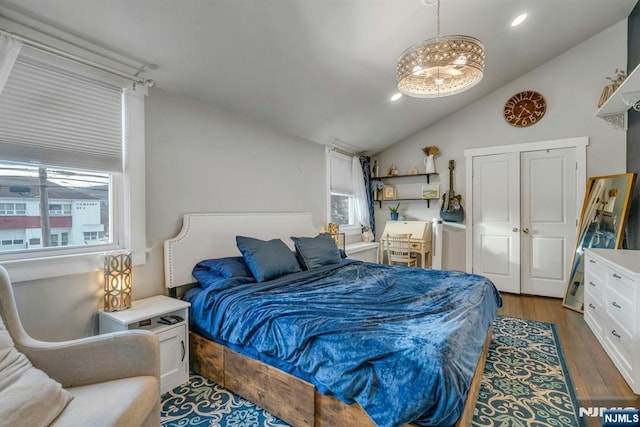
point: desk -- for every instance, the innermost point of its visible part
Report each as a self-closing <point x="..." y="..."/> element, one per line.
<point x="420" y="242"/>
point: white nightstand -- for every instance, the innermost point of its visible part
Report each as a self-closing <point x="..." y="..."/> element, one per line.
<point x="174" y="345"/>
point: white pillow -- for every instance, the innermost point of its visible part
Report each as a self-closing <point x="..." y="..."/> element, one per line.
<point x="29" y="397"/>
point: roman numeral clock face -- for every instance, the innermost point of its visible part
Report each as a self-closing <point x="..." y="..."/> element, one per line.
<point x="525" y="108"/>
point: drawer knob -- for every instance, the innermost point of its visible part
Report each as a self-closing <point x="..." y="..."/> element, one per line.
<point x="592" y="261"/>
<point x="615" y="334"/>
<point x="616" y="276"/>
<point x="592" y="306"/>
<point x="616" y="305"/>
<point x="591" y="283"/>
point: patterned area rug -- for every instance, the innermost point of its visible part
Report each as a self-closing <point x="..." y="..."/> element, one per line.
<point x="525" y="383"/>
<point x="525" y="380"/>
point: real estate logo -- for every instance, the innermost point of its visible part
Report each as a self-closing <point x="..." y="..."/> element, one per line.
<point x="629" y="417"/>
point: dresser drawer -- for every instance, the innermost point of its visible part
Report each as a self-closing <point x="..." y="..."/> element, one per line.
<point x="621" y="283"/>
<point x="620" y="345"/>
<point x="621" y="309"/>
<point x="595" y="267"/>
<point x="594" y="314"/>
<point x="594" y="285"/>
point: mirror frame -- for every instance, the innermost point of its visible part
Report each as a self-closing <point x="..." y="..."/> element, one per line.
<point x="588" y="214"/>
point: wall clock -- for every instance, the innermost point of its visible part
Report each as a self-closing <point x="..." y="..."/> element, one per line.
<point x="524" y="108"/>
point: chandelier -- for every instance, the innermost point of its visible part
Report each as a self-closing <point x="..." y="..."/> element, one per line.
<point x="440" y="66"/>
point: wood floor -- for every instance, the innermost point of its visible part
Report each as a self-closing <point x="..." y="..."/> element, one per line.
<point x="597" y="381"/>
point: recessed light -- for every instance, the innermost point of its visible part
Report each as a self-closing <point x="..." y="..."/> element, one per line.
<point x="519" y="20"/>
<point x="396" y="96"/>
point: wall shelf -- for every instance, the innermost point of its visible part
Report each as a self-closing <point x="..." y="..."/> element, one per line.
<point x="392" y="177"/>
<point x="614" y="110"/>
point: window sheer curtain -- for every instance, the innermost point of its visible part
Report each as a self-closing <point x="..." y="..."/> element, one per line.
<point x="9" y="51"/>
<point x="360" y="193"/>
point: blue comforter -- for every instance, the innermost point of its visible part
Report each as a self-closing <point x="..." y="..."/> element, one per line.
<point x="402" y="342"/>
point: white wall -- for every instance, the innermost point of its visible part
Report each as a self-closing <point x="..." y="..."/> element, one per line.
<point x="198" y="160"/>
<point x="571" y="83"/>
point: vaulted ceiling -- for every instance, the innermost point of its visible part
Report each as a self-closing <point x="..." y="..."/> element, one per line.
<point x="323" y="70"/>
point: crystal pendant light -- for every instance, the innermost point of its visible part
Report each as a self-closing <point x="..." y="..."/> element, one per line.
<point x="440" y="66"/>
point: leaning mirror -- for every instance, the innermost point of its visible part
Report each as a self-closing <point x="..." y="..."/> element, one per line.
<point x="602" y="224"/>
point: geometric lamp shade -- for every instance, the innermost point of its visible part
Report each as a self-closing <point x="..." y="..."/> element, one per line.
<point x="117" y="281"/>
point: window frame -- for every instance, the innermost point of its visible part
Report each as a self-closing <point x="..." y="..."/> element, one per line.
<point x="128" y="215"/>
<point x="347" y="229"/>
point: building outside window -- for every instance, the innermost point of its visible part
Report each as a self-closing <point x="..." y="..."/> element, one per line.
<point x="78" y="207"/>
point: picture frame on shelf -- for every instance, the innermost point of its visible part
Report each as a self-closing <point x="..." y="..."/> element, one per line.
<point x="431" y="191"/>
<point x="389" y="192"/>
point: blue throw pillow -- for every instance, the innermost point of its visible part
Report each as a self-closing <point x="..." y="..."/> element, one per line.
<point x="314" y="252"/>
<point x="208" y="279"/>
<point x="267" y="259"/>
<point x="225" y="267"/>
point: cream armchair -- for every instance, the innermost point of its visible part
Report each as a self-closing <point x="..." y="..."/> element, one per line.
<point x="113" y="379"/>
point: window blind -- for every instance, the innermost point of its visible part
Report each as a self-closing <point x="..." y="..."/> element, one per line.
<point x="340" y="167"/>
<point x="53" y="117"/>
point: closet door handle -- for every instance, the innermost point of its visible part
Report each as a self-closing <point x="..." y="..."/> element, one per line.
<point x="616" y="276"/>
<point x="514" y="229"/>
<point x="615" y="334"/>
<point x="592" y="306"/>
<point x="184" y="351"/>
<point x="616" y="305"/>
<point x="525" y="230"/>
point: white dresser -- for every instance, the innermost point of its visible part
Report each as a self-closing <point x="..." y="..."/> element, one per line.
<point x="612" y="307"/>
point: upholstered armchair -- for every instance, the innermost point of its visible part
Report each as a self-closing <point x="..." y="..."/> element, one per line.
<point x="105" y="380"/>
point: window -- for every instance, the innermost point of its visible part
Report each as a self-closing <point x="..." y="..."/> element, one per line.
<point x="342" y="196"/>
<point x="65" y="130"/>
<point x="12" y="208"/>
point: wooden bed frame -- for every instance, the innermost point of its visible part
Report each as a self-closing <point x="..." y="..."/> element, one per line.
<point x="291" y="399"/>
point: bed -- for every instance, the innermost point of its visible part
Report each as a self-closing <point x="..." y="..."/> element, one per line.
<point x="407" y="345"/>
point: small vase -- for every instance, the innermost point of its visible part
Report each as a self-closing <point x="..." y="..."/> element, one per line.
<point x="366" y="236"/>
<point x="394" y="216"/>
<point x="429" y="164"/>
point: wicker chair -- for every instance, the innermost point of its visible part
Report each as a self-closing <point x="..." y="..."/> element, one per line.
<point x="397" y="247"/>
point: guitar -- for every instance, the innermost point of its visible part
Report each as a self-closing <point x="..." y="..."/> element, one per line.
<point x="451" y="209"/>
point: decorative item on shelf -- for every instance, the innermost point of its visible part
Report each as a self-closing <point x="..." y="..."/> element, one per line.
<point x="375" y="170"/>
<point x="429" y="162"/>
<point x="431" y="191"/>
<point x="451" y="209"/>
<point x="392" y="171"/>
<point x="606" y="94"/>
<point x="394" y="212"/>
<point x="440" y="66"/>
<point x="617" y="79"/>
<point x="117" y="281"/>
<point x="609" y="89"/>
<point x="413" y="170"/>
<point x="389" y="192"/>
<point x="366" y="234"/>
<point x="376" y="189"/>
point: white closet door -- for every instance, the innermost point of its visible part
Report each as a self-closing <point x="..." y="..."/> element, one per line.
<point x="496" y="219"/>
<point x="548" y="225"/>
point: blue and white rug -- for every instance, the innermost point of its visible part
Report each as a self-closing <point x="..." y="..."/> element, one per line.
<point x="525" y="383"/>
